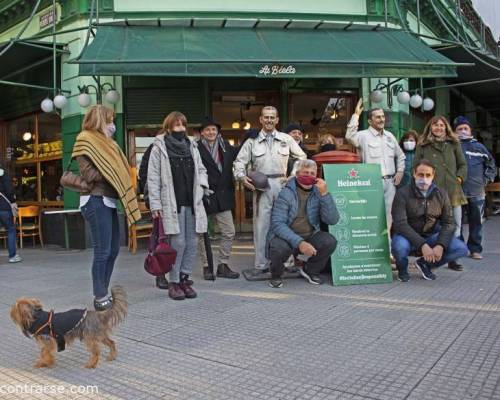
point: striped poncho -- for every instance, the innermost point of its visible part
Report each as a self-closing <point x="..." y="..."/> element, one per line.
<point x="109" y="159"/>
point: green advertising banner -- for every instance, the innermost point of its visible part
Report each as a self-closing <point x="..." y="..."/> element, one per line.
<point x="362" y="254"/>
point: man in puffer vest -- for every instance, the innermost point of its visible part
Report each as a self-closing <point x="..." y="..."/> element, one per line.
<point x="481" y="170"/>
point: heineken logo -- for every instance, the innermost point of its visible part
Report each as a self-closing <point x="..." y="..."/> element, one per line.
<point x="353" y="173"/>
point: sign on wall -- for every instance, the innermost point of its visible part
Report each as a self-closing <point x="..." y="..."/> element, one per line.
<point x="362" y="254"/>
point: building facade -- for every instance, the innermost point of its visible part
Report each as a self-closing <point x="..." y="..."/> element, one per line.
<point x="312" y="61"/>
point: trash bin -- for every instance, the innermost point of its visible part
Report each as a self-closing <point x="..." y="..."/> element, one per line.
<point x="335" y="157"/>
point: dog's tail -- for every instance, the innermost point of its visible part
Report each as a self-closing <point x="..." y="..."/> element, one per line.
<point x="118" y="311"/>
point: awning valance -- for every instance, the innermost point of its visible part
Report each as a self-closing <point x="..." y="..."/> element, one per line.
<point x="270" y="53"/>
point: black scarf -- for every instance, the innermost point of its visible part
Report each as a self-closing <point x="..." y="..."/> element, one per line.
<point x="178" y="145"/>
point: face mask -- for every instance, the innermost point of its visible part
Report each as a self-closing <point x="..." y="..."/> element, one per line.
<point x="110" y="129"/>
<point x="409" y="145"/>
<point x="423" y="183"/>
<point x="178" y="134"/>
<point x="463" y="134"/>
<point x="307" y="180"/>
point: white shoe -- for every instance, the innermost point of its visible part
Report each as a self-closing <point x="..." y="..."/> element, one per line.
<point x="15" y="259"/>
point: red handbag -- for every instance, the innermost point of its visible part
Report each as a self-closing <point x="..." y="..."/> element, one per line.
<point x="161" y="256"/>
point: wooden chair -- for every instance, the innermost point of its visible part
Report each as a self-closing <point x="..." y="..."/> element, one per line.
<point x="29" y="224"/>
<point x="141" y="229"/>
<point x="491" y="200"/>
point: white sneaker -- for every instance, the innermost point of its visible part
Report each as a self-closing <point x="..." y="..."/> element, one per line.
<point x="15" y="259"/>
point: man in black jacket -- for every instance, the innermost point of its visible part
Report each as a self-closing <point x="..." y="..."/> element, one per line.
<point x="7" y="200"/>
<point x="217" y="156"/>
<point x="423" y="225"/>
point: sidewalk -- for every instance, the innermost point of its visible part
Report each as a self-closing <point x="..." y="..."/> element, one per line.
<point x="243" y="340"/>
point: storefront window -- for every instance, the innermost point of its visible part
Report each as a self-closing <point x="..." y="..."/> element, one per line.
<point x="320" y="114"/>
<point x="35" y="148"/>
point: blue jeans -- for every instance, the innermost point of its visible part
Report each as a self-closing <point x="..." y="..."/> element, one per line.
<point x="475" y="211"/>
<point x="105" y="234"/>
<point x="186" y="245"/>
<point x="402" y="248"/>
<point x="7" y="221"/>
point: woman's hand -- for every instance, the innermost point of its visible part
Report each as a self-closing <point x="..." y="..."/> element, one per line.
<point x="157" y="213"/>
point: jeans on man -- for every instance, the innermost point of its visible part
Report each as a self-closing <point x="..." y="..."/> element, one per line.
<point x="475" y="212"/>
<point x="280" y="250"/>
<point x="402" y="248"/>
<point x="7" y="221"/>
<point x="105" y="232"/>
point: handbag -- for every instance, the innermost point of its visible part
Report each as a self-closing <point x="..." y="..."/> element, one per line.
<point x="161" y="256"/>
<point x="13" y="206"/>
<point x="71" y="181"/>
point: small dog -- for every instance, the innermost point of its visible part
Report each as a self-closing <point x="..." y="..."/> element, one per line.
<point x="53" y="331"/>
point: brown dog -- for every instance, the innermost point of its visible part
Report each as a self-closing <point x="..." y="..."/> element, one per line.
<point x="53" y="331"/>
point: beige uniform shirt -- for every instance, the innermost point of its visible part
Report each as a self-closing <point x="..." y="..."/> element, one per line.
<point x="267" y="156"/>
<point x="376" y="148"/>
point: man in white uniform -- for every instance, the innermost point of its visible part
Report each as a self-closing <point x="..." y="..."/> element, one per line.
<point x="268" y="153"/>
<point x="378" y="146"/>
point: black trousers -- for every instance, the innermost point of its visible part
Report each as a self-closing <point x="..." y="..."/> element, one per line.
<point x="280" y="250"/>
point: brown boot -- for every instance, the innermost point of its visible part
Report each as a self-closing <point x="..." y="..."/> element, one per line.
<point x="224" y="271"/>
<point x="161" y="282"/>
<point x="186" y="286"/>
<point x="175" y="292"/>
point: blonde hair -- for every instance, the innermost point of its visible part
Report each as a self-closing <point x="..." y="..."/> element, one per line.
<point x="97" y="118"/>
<point x="171" y="119"/>
<point x="428" y="137"/>
<point x="325" y="138"/>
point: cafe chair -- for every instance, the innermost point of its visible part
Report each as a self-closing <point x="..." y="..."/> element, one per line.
<point x="492" y="199"/>
<point x="141" y="229"/>
<point x="29" y="224"/>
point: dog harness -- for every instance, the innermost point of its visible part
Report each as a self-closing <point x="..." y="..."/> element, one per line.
<point x="56" y="325"/>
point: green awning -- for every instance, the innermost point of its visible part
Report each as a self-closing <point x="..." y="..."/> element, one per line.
<point x="267" y="53"/>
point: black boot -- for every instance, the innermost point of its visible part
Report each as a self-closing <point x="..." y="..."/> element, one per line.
<point x="161" y="282"/>
<point x="455" y="266"/>
<point x="225" y="272"/>
<point x="208" y="274"/>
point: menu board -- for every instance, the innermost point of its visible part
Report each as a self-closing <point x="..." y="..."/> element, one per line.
<point x="362" y="253"/>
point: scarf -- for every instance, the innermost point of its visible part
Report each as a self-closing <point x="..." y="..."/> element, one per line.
<point x="214" y="150"/>
<point x="109" y="159"/>
<point x="178" y="145"/>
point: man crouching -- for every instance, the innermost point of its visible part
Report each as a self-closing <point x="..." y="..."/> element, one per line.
<point x="295" y="219"/>
<point x="423" y="225"/>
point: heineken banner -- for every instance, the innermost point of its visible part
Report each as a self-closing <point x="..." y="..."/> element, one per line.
<point x="362" y="254"/>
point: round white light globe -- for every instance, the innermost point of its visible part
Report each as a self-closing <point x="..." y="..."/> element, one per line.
<point x="112" y="96"/>
<point x="415" y="101"/>
<point x="428" y="104"/>
<point x="84" y="99"/>
<point x="403" y="97"/>
<point x="47" y="105"/>
<point x="60" y="101"/>
<point x="376" y="96"/>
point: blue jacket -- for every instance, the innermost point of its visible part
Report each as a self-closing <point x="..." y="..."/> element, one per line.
<point x="480" y="166"/>
<point x="318" y="208"/>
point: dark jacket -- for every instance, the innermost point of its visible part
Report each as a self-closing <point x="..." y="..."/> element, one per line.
<point x="6" y="189"/>
<point x="450" y="164"/>
<point x="143" y="170"/>
<point x="408" y="174"/>
<point x="285" y="208"/>
<point x="481" y="168"/>
<point x="221" y="183"/>
<point x="416" y="217"/>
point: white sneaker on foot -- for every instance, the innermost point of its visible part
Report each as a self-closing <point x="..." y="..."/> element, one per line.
<point x="15" y="259"/>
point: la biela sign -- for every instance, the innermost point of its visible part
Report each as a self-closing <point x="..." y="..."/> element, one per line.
<point x="362" y="254"/>
<point x="277" y="70"/>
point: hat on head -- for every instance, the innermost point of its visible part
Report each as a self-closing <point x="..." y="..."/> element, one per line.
<point x="209" y="122"/>
<point x="461" y="120"/>
<point x="293" y="127"/>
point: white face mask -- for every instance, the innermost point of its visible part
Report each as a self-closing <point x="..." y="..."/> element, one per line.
<point x="409" y="145"/>
<point x="110" y="130"/>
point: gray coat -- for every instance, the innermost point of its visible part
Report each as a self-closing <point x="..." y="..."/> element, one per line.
<point x="161" y="187"/>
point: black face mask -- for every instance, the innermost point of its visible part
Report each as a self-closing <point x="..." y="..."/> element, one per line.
<point x="327" y="147"/>
<point x="178" y="135"/>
